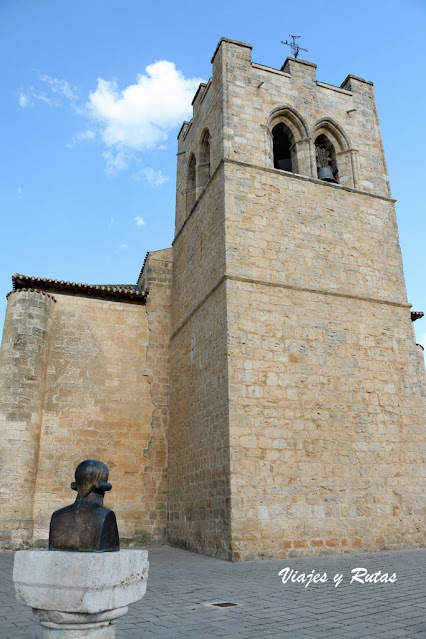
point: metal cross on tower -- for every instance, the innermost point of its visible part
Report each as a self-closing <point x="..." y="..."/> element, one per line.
<point x="294" y="46"/>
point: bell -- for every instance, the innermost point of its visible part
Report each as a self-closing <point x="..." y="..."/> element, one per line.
<point x="325" y="173"/>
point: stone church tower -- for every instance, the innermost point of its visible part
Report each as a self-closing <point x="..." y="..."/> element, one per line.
<point x="297" y="389"/>
<point x="259" y="391"/>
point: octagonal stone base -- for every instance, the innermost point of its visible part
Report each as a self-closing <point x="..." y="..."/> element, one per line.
<point x="76" y="595"/>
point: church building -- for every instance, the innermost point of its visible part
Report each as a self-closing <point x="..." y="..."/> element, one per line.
<point x="258" y="391"/>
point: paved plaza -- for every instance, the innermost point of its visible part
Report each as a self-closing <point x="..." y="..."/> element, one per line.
<point x="181" y="586"/>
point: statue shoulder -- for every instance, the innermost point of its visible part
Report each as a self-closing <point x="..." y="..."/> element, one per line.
<point x="110" y="536"/>
<point x="62" y="512"/>
<point x="104" y="513"/>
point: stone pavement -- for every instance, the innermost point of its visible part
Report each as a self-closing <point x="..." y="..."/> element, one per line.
<point x="182" y="584"/>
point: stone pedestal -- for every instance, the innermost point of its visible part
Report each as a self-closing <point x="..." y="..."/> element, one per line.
<point x="76" y="595"/>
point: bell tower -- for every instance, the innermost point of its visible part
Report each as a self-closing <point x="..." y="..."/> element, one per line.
<point x="297" y="390"/>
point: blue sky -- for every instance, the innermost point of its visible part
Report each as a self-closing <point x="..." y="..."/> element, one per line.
<point x="94" y="93"/>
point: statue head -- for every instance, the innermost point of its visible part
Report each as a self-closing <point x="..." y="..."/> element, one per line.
<point x="91" y="475"/>
<point x="86" y="525"/>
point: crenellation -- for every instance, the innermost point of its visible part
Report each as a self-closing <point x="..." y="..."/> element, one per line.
<point x="331" y="87"/>
<point x="198" y="95"/>
<point x="234" y="43"/>
<point x="300" y="70"/>
<point x="354" y="83"/>
<point x="182" y="129"/>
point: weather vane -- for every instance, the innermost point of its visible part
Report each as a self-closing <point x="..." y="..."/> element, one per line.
<point x="293" y="45"/>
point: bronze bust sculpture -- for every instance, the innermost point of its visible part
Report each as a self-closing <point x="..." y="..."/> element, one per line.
<point x="86" y="525"/>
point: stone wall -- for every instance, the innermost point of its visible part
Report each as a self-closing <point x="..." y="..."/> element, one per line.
<point x="85" y="378"/>
<point x="23" y="368"/>
<point x="307" y="233"/>
<point x="97" y="405"/>
<point x="326" y="394"/>
<point x="158" y="307"/>
<point x="198" y="470"/>
<point x="198" y="474"/>
<point x="326" y="423"/>
<point x="325" y="398"/>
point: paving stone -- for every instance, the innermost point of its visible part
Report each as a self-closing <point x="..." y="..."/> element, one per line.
<point x="173" y="608"/>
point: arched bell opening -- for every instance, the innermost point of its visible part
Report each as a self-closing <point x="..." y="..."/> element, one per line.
<point x="283" y="148"/>
<point x="204" y="159"/>
<point x="325" y="154"/>
<point x="191" y="184"/>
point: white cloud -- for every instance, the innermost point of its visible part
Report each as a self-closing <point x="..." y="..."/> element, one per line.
<point x="44" y="98"/>
<point x="23" y="99"/>
<point x="19" y="193"/>
<point x="121" y="247"/>
<point x="139" y="220"/>
<point x="51" y="91"/>
<point x="153" y="177"/>
<point x="115" y="162"/>
<point x="85" y="135"/>
<point x="60" y="87"/>
<point x="134" y="119"/>
<point x="81" y="136"/>
<point x="141" y="115"/>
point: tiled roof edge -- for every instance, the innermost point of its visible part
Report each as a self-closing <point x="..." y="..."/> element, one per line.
<point x="143" y="266"/>
<point x="130" y="292"/>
